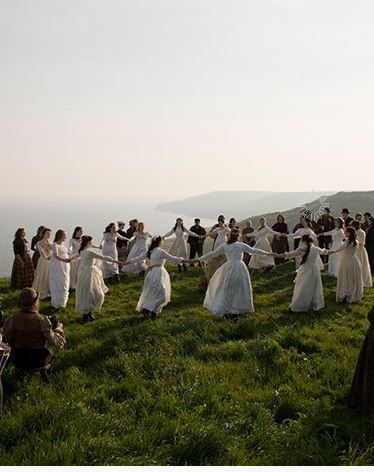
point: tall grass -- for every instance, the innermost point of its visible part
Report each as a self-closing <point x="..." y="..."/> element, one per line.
<point x="189" y="389"/>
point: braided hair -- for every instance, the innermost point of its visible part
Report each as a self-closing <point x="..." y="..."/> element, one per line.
<point x="309" y="241"/>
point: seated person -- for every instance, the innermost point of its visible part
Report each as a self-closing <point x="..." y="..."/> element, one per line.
<point x="31" y="335"/>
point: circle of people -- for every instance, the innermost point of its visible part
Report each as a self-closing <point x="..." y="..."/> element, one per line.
<point x="344" y="244"/>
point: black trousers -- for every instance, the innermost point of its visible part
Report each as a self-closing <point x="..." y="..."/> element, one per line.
<point x="325" y="242"/>
<point x="196" y="250"/>
<point x="24" y="358"/>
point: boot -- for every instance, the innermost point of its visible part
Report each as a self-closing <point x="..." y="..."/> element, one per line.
<point x="86" y="318"/>
<point x="184" y="267"/>
<point x="179" y="268"/>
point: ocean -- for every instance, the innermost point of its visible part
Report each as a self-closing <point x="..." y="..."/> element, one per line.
<point x="92" y="216"/>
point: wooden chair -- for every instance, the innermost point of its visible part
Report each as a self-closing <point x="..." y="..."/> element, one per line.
<point x="4" y="356"/>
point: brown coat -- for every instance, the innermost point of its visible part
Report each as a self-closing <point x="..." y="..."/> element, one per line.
<point x="31" y="330"/>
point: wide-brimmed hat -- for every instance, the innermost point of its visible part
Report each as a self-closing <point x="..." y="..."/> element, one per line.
<point x="28" y="297"/>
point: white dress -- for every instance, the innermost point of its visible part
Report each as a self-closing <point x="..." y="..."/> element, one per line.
<point x="230" y="290"/>
<point x="41" y="279"/>
<point x="363" y="258"/>
<point x="59" y="276"/>
<point x="350" y="286"/>
<point x="74" y="246"/>
<point x="90" y="287"/>
<point x="179" y="246"/>
<point x="139" y="247"/>
<point x="298" y="234"/>
<point x="221" y="236"/>
<point x="338" y="237"/>
<point x="308" y="289"/>
<point x="156" y="289"/>
<point x="262" y="242"/>
<point x="109" y="248"/>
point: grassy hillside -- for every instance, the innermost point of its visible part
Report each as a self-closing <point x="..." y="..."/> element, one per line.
<point x="354" y="201"/>
<point x="235" y="203"/>
<point x="191" y="389"/>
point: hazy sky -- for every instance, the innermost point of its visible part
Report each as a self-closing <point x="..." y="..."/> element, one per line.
<point x="170" y="98"/>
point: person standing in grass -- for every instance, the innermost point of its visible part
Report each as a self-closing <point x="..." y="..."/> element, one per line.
<point x="337" y="236"/>
<point x="306" y="228"/>
<point x="90" y="287"/>
<point x="41" y="279"/>
<point x="109" y="248"/>
<point x="59" y="271"/>
<point x="156" y="291"/>
<point x="363" y="255"/>
<point x="196" y="245"/>
<point x="308" y="289"/>
<point x="34" y="242"/>
<point x="361" y="396"/>
<point x="179" y="246"/>
<point x="369" y="243"/>
<point x="219" y="234"/>
<point x="279" y="245"/>
<point x="230" y="291"/>
<point x="350" y="286"/>
<point x="74" y="245"/>
<point x="139" y="247"/>
<point x="261" y="261"/>
<point x="23" y="269"/>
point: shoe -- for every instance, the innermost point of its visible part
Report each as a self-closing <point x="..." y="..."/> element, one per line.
<point x="91" y="317"/>
<point x="184" y="268"/>
<point x="153" y="315"/>
<point x="179" y="268"/>
<point x="86" y="319"/>
<point x="146" y="313"/>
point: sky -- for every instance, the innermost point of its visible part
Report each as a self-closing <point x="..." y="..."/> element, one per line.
<point x="165" y="99"/>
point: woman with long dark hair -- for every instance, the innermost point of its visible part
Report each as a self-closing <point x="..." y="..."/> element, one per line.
<point x="90" y="287"/>
<point x="59" y="271"/>
<point x="308" y="289"/>
<point x="109" y="248"/>
<point x="179" y="246"/>
<point x="23" y="269"/>
<point x="41" y="279"/>
<point x="350" y="286"/>
<point x="157" y="288"/>
<point x="230" y="291"/>
<point x="34" y="242"/>
<point x="74" y="245"/>
<point x="338" y="236"/>
<point x="279" y="245"/>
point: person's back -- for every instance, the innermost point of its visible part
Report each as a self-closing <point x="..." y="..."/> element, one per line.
<point x="30" y="334"/>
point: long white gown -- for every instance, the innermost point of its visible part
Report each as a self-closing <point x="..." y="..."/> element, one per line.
<point x="41" y="278"/>
<point x="350" y="285"/>
<point x="109" y="248"/>
<point x="298" y="234"/>
<point x="308" y="289"/>
<point x="179" y="246"/>
<point x="139" y="247"/>
<point x="90" y="287"/>
<point x="59" y="276"/>
<point x="338" y="237"/>
<point x="364" y="258"/>
<point x="74" y="246"/>
<point x="156" y="291"/>
<point x="230" y="290"/>
<point x="263" y="243"/>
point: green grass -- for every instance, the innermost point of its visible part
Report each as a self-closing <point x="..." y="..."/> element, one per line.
<point x="189" y="389"/>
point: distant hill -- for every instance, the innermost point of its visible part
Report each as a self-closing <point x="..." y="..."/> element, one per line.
<point x="354" y="201"/>
<point x="238" y="204"/>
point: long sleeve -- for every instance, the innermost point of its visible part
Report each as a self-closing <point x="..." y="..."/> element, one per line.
<point x="41" y="250"/>
<point x="55" y="338"/>
<point x="271" y="231"/>
<point x="212" y="254"/>
<point x="251" y="250"/>
<point x="296" y="253"/>
<point x="170" y="258"/>
<point x="329" y="233"/>
<point x="169" y="233"/>
<point x="95" y="255"/>
<point x="140" y="258"/>
<point x="341" y="248"/>
<point x="190" y="233"/>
